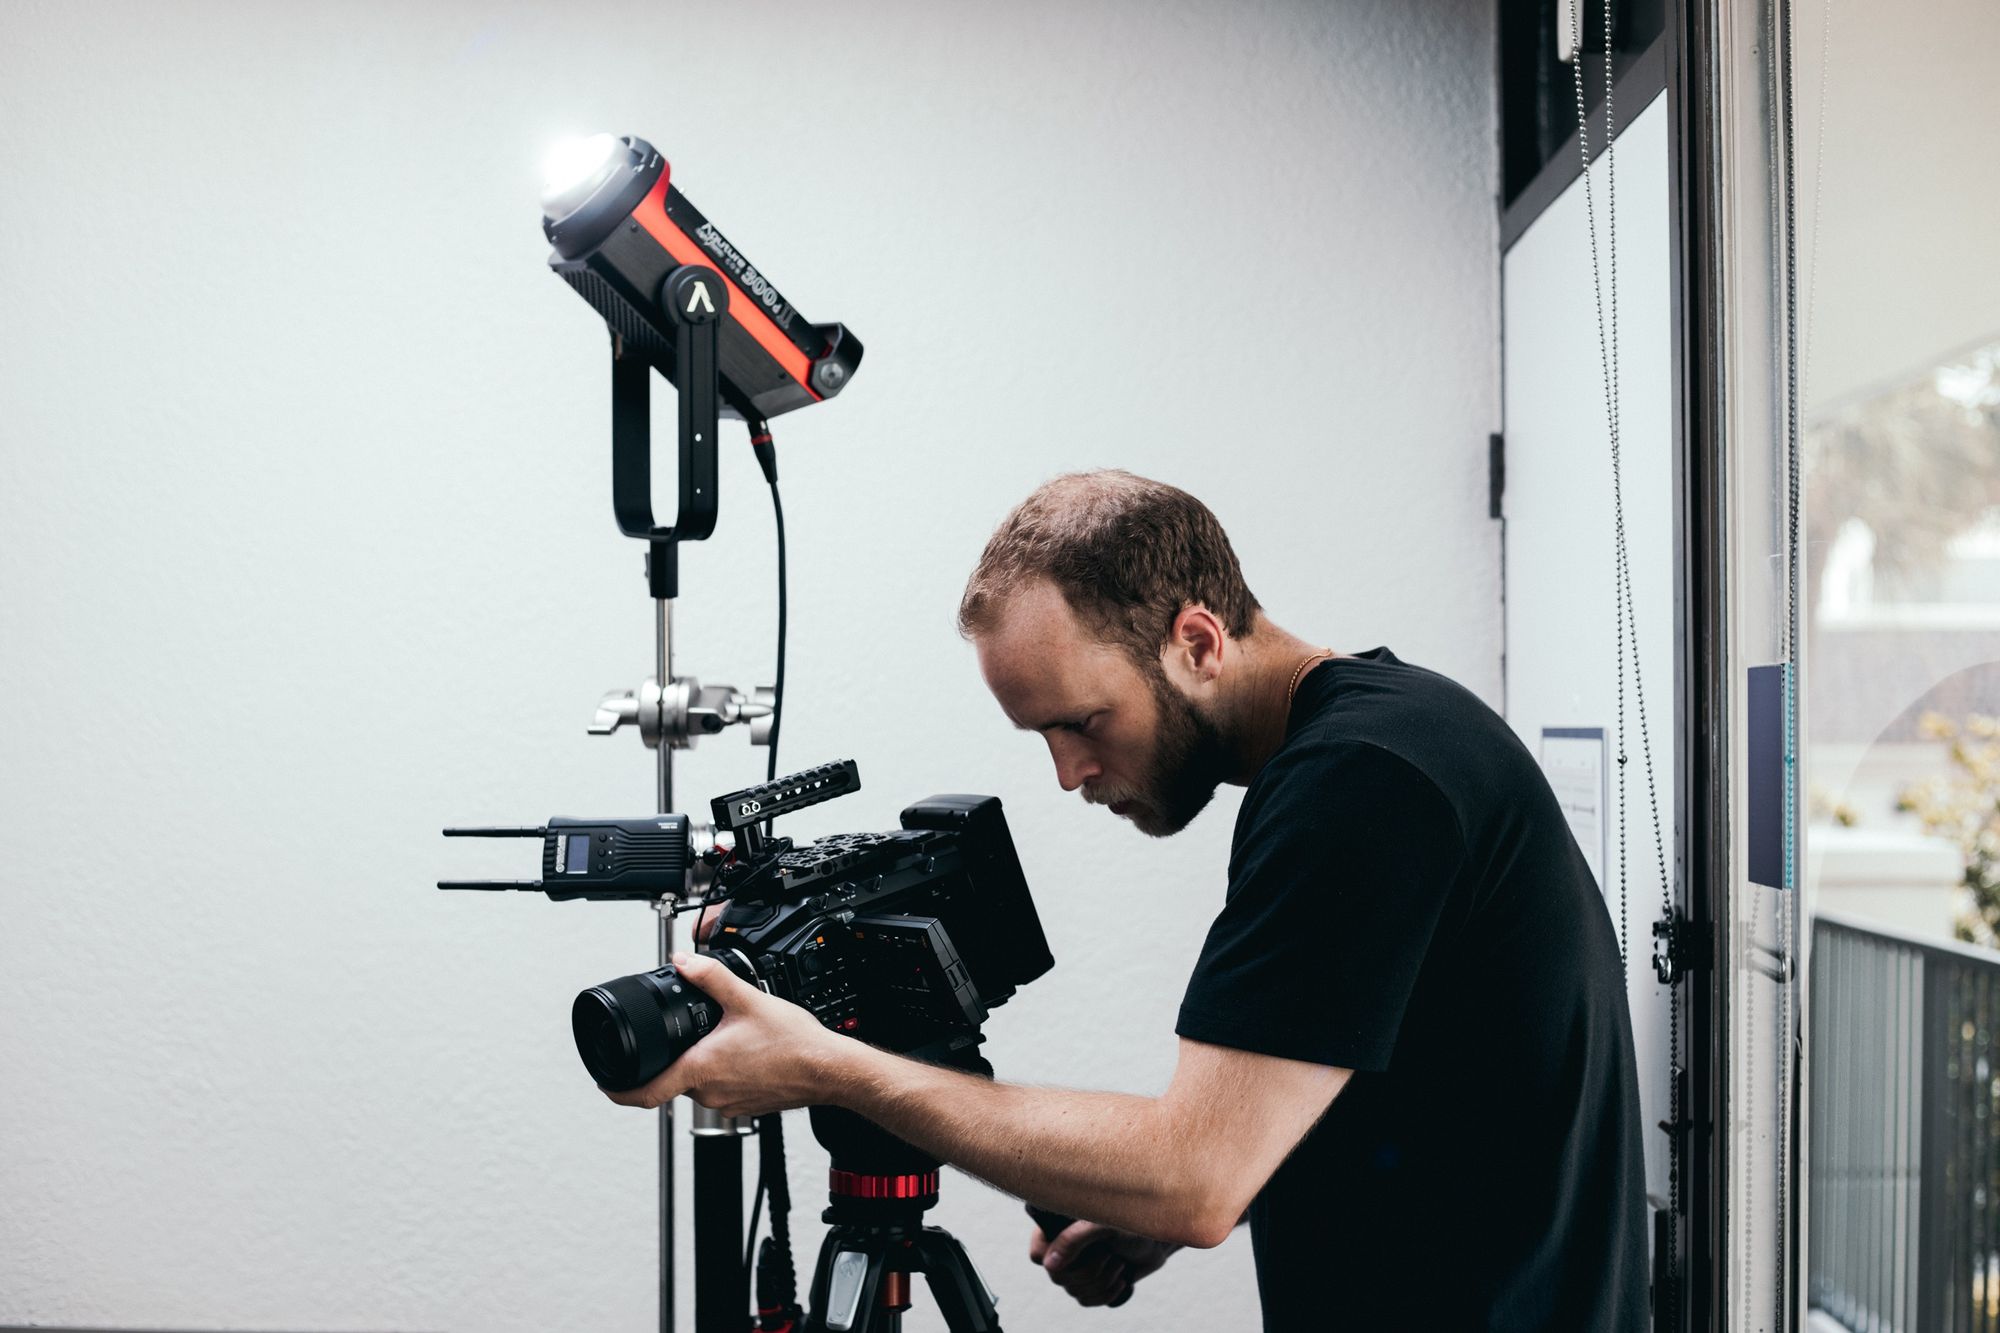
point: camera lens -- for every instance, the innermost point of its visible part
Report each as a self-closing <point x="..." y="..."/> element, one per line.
<point x="630" y="1029"/>
<point x="610" y="1046"/>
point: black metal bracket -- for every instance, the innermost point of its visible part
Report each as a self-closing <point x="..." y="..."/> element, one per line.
<point x="1678" y="948"/>
<point x="696" y="297"/>
<point x="1496" y="475"/>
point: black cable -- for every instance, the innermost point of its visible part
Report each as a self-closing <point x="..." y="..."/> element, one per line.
<point x="756" y="1208"/>
<point x="781" y="1187"/>
<point x="777" y="1282"/>
<point x="777" y="1278"/>
<point x="767" y="459"/>
<point x="778" y="689"/>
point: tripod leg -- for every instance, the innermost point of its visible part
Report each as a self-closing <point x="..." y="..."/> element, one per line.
<point x="962" y="1295"/>
<point x="721" y="1285"/>
<point x="847" y="1285"/>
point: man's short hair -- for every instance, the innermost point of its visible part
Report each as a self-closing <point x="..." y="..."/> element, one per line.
<point x="1128" y="555"/>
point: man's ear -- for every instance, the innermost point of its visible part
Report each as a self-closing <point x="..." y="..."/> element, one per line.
<point x="1196" y="646"/>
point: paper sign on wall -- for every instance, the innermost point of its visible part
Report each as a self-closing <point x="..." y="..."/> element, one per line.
<point x="1573" y="762"/>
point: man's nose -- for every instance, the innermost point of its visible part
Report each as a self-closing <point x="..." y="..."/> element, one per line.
<point x="1074" y="765"/>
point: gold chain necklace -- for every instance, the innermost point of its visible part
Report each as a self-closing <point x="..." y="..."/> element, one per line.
<point x="1292" y="690"/>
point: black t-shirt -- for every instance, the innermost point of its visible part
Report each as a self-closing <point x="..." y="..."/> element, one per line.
<point x="1406" y="901"/>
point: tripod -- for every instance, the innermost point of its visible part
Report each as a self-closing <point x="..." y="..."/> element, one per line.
<point x="879" y="1190"/>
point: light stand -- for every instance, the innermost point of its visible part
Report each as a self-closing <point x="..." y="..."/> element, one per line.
<point x="671" y="713"/>
<point x="679" y="298"/>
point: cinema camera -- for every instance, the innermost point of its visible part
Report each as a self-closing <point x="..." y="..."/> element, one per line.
<point x="905" y="939"/>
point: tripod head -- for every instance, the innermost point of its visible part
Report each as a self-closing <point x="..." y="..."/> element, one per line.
<point x="876" y="1178"/>
<point x="878" y="1191"/>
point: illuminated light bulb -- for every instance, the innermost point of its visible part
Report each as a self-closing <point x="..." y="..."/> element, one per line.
<point x="574" y="169"/>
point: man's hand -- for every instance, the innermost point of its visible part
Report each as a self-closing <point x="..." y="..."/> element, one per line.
<point x="765" y="1055"/>
<point x="1096" y="1264"/>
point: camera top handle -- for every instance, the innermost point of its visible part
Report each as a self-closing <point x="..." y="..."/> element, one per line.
<point x="743" y="812"/>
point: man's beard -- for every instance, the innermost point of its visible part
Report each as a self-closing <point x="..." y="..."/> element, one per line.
<point x="1188" y="764"/>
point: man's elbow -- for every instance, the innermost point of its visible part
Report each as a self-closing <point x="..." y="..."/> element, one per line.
<point x="1206" y="1222"/>
<point x="1206" y="1235"/>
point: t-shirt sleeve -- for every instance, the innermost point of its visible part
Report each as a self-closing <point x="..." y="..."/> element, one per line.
<point x="1346" y="857"/>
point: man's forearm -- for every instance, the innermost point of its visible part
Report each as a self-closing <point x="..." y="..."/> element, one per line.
<point x="1110" y="1157"/>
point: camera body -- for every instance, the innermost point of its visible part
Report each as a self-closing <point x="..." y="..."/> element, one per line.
<point x="905" y="939"/>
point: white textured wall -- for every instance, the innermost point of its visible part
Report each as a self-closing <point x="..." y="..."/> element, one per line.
<point x="305" y="551"/>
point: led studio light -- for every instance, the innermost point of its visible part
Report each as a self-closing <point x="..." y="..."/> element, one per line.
<point x="621" y="230"/>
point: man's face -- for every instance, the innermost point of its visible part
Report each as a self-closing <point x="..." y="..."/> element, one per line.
<point x="1126" y="737"/>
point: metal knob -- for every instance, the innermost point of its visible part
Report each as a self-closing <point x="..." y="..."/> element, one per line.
<point x="685" y="711"/>
<point x="617" y="708"/>
<point x="762" y="711"/>
<point x="713" y="1124"/>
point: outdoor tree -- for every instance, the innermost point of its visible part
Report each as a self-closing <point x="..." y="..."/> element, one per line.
<point x="1964" y="806"/>
<point x="1919" y="465"/>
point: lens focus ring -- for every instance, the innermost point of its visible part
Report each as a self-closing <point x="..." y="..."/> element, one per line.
<point x="630" y="1029"/>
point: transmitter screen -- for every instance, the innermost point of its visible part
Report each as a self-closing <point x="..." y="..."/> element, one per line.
<point x="576" y="854"/>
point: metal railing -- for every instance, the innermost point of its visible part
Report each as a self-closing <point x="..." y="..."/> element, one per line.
<point x="1905" y="1148"/>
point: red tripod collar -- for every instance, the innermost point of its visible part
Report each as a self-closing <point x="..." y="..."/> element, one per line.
<point x="855" y="1185"/>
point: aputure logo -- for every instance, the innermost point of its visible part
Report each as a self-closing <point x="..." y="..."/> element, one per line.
<point x="748" y="278"/>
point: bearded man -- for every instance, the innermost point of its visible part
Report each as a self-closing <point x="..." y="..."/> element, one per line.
<point x="1405" y="1054"/>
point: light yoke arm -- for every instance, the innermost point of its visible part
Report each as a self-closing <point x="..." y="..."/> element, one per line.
<point x="696" y="296"/>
